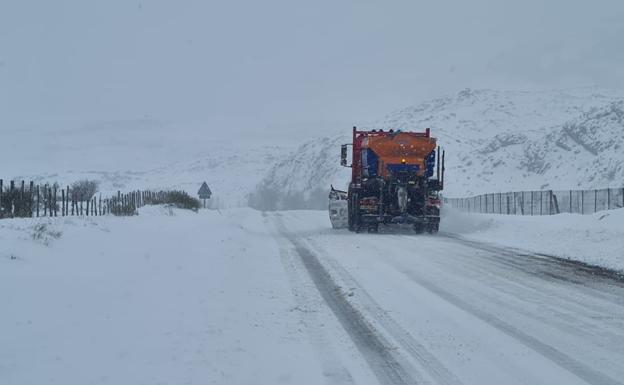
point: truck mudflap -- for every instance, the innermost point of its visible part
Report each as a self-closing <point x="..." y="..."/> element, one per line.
<point x="338" y="208"/>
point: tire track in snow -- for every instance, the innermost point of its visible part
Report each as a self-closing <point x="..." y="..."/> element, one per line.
<point x="440" y="374"/>
<point x="593" y="278"/>
<point x="563" y="360"/>
<point x="388" y="367"/>
<point x="333" y="370"/>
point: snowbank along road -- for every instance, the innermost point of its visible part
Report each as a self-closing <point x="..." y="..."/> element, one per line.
<point x="247" y="297"/>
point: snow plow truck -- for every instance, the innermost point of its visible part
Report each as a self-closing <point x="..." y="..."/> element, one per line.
<point x="396" y="178"/>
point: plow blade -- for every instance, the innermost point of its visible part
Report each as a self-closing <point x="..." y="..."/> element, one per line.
<point x="338" y="208"/>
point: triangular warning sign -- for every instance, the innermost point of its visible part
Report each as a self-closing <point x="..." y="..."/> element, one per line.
<point x="204" y="191"/>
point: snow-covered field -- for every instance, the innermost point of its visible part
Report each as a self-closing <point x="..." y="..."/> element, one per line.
<point x="239" y="296"/>
<point x="168" y="297"/>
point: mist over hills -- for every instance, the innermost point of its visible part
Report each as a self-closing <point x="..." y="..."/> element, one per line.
<point x="494" y="141"/>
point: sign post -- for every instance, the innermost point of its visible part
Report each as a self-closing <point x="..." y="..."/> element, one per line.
<point x="204" y="193"/>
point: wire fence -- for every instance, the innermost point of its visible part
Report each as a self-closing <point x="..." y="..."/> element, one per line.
<point x="545" y="202"/>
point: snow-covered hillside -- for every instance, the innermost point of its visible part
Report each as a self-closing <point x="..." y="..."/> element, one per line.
<point x="141" y="154"/>
<point x="494" y="141"/>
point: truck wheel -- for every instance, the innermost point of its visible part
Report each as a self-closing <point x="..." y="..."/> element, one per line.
<point x="432" y="228"/>
<point x="419" y="228"/>
<point x="354" y="212"/>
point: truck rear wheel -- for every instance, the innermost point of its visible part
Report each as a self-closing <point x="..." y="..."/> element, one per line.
<point x="354" y="212"/>
<point x="433" y="228"/>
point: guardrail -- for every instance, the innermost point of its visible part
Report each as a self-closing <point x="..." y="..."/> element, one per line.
<point x="542" y="202"/>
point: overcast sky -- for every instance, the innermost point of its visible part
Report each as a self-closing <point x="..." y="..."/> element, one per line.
<point x="251" y="65"/>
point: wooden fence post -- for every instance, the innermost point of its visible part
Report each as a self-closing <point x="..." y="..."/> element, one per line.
<point x="50" y="213"/>
<point x="20" y="211"/>
<point x="54" y="201"/>
<point x="38" y="201"/>
<point x="46" y="204"/>
<point x="31" y="197"/>
<point x="12" y="198"/>
<point x="50" y="202"/>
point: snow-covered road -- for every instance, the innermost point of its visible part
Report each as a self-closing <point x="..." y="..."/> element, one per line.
<point x="436" y="309"/>
<point x="244" y="297"/>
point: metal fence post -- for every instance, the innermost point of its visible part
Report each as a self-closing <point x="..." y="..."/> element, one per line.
<point x="595" y="200"/>
<point x="582" y="202"/>
<point x="550" y="198"/>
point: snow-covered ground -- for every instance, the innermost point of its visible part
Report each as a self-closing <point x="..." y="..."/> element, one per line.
<point x="168" y="297"/>
<point x="239" y="296"/>
<point x="596" y="239"/>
